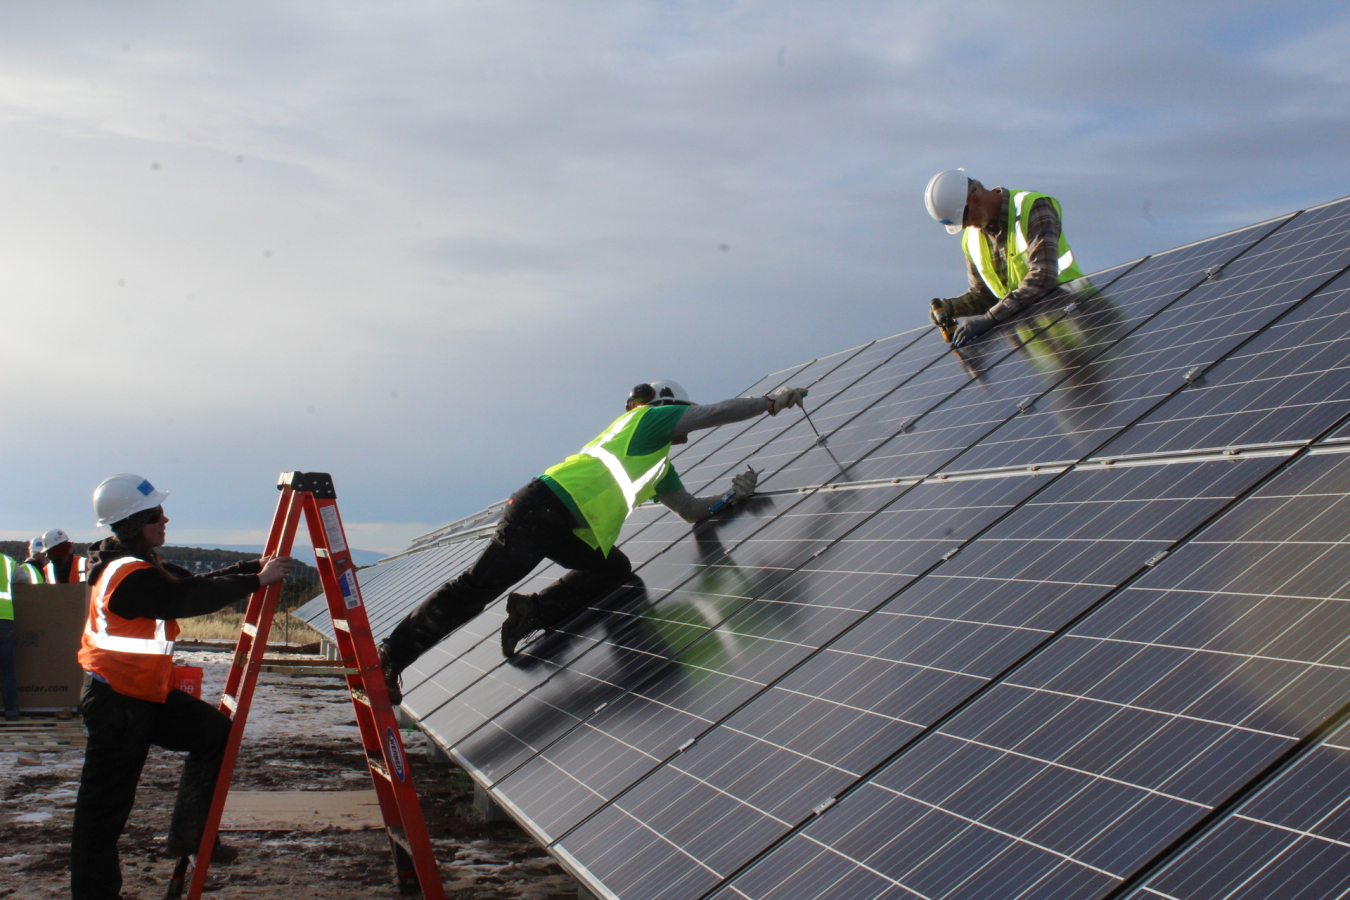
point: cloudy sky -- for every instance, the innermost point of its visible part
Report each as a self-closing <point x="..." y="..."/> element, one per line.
<point x="428" y="247"/>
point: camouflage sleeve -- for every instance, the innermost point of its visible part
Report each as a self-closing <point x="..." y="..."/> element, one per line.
<point x="1042" y="262"/>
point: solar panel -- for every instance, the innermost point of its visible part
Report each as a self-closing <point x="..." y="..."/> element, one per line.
<point x="1288" y="841"/>
<point x="1124" y="359"/>
<point x="1060" y="614"/>
<point x="1078" y="766"/>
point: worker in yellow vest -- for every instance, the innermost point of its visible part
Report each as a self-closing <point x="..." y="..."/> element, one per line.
<point x="64" y="566"/>
<point x="572" y="514"/>
<point x="9" y="687"/>
<point x="1015" y="249"/>
<point x="30" y="570"/>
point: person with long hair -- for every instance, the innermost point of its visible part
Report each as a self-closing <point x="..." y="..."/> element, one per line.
<point x="129" y="702"/>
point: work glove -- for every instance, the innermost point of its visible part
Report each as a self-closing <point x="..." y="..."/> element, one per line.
<point x="784" y="398"/>
<point x="743" y="485"/>
<point x="969" y="329"/>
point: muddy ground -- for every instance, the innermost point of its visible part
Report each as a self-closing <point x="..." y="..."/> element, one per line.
<point x="301" y="736"/>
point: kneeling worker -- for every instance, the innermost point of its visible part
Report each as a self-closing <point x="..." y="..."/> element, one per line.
<point x="572" y="514"/>
<point x="1015" y="249"/>
<point x="129" y="701"/>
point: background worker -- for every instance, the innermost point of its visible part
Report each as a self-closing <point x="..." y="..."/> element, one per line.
<point x="572" y="514"/>
<point x="9" y="687"/>
<point x="1015" y="249"/>
<point x="129" y="701"/>
<point x="63" y="565"/>
<point x="30" y="570"/>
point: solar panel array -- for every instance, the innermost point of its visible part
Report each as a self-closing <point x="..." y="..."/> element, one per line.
<point x="1061" y="614"/>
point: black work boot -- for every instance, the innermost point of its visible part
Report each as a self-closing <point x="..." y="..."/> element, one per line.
<point x="393" y="681"/>
<point x="522" y="620"/>
<point x="223" y="854"/>
<point x="942" y="316"/>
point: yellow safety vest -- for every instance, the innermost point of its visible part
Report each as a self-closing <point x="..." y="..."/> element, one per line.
<point x="606" y="483"/>
<point x="979" y="249"/>
<point x="6" y="589"/>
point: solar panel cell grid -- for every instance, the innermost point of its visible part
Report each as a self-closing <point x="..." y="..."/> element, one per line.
<point x="823" y="386"/>
<point x="724" y="442"/>
<point x="1097" y="350"/>
<point x="707" y="673"/>
<point x="705" y="783"/>
<point x="1289" y="384"/>
<point x="1003" y="594"/>
<point x="1289" y="840"/>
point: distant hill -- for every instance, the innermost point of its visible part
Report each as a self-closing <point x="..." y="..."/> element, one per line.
<point x="220" y="555"/>
<point x="360" y="557"/>
<point x="300" y="585"/>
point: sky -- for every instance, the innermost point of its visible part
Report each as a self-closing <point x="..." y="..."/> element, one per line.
<point x="428" y="247"/>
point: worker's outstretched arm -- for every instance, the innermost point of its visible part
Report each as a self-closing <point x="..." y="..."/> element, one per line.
<point x="696" y="509"/>
<point x="738" y="409"/>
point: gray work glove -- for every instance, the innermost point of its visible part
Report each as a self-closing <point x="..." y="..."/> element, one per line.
<point x="969" y="329"/>
<point x="743" y="485"/>
<point x="783" y="398"/>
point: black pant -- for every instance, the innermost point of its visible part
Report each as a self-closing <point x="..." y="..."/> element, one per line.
<point x="121" y="730"/>
<point x="536" y="525"/>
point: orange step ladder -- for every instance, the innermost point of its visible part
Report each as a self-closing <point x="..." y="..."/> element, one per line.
<point x="312" y="494"/>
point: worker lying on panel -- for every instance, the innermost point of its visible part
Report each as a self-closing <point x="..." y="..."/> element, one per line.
<point x="129" y="701"/>
<point x="572" y="514"/>
<point x="63" y="565"/>
<point x="9" y="686"/>
<point x="1015" y="249"/>
<point x="30" y="570"/>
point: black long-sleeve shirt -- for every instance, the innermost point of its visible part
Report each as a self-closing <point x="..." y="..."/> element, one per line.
<point x="147" y="593"/>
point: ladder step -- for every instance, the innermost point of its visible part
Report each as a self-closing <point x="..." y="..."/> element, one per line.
<point x="340" y="624"/>
<point x="360" y="696"/>
<point x="377" y="766"/>
<point x="400" y="837"/>
<point x="228" y="701"/>
<point x="249" y="629"/>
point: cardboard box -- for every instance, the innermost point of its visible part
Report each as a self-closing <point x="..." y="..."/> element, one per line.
<point x="48" y="621"/>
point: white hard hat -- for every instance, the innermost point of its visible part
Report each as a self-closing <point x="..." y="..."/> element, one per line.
<point x="54" y="538"/>
<point x="945" y="198"/>
<point x="669" y="393"/>
<point x="119" y="496"/>
<point x="35" y="546"/>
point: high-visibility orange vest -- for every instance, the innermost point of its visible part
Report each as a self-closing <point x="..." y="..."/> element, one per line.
<point x="76" y="570"/>
<point x="135" y="656"/>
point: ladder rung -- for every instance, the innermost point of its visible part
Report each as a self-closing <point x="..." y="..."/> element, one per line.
<point x="377" y="766"/>
<point x="400" y="837"/>
<point x="249" y="629"/>
<point x="360" y="696"/>
<point x="341" y="625"/>
<point x="229" y="701"/>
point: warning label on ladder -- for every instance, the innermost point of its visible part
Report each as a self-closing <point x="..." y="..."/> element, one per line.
<point x="331" y="528"/>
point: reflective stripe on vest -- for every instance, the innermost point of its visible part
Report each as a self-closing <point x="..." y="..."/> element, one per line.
<point x="78" y="565"/>
<point x="6" y="591"/>
<point x="606" y="483"/>
<point x="96" y="628"/>
<point x="979" y="248"/>
<point x="631" y="487"/>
